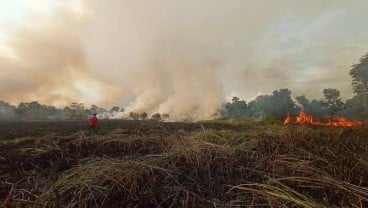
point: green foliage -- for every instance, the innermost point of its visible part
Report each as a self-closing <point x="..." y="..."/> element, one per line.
<point x="357" y="108"/>
<point x="236" y="109"/>
<point x="302" y="101"/>
<point x="7" y="111"/>
<point x="315" y="108"/>
<point x="78" y="111"/>
<point x="258" y="108"/>
<point x="35" y="110"/>
<point x="277" y="105"/>
<point x="359" y="73"/>
<point x="156" y="117"/>
<point x="282" y="103"/>
<point x="332" y="103"/>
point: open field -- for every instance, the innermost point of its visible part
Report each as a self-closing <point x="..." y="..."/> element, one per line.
<point x="154" y="164"/>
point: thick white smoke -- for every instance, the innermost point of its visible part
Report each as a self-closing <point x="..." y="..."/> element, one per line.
<point x="182" y="58"/>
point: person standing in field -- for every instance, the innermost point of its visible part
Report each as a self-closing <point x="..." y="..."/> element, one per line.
<point x="92" y="122"/>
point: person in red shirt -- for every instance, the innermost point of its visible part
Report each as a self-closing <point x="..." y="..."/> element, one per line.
<point x="92" y="121"/>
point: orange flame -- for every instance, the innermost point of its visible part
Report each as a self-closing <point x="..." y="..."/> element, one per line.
<point x="304" y="118"/>
<point x="287" y="120"/>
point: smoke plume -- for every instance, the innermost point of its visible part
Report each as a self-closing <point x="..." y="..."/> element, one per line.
<point x="182" y="58"/>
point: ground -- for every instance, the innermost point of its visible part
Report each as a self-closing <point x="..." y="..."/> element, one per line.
<point x="207" y="164"/>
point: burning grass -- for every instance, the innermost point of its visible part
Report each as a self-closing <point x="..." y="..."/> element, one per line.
<point x="302" y="118"/>
<point x="255" y="165"/>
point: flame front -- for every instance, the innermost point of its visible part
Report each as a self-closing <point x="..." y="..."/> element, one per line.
<point x="287" y="120"/>
<point x="302" y="118"/>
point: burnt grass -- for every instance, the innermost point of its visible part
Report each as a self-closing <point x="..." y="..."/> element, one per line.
<point x="157" y="164"/>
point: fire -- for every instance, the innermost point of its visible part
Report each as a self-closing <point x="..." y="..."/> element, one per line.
<point x="304" y="118"/>
<point x="287" y="120"/>
<point x="340" y="121"/>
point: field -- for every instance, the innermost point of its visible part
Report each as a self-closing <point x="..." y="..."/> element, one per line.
<point x="156" y="164"/>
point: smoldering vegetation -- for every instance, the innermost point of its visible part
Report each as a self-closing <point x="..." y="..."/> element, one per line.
<point x="152" y="164"/>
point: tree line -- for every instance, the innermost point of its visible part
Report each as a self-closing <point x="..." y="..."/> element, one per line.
<point x="37" y="111"/>
<point x="280" y="103"/>
<point x="76" y="111"/>
<point x="274" y="106"/>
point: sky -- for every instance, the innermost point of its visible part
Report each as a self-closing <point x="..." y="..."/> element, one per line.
<point x="178" y="57"/>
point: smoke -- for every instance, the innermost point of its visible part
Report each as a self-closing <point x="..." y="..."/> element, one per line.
<point x="48" y="64"/>
<point x="182" y="58"/>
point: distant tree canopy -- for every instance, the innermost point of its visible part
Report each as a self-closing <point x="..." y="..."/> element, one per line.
<point x="165" y="116"/>
<point x="359" y="73"/>
<point x="156" y="117"/>
<point x="280" y="103"/>
<point x="115" y="109"/>
<point x="36" y="111"/>
<point x="358" y="105"/>
<point x="78" y="111"/>
<point x="332" y="103"/>
<point x="143" y="116"/>
<point x="7" y="111"/>
<point x="134" y="116"/>
<point x="236" y="109"/>
<point x="314" y="107"/>
<point x="356" y="108"/>
<point x="275" y="106"/>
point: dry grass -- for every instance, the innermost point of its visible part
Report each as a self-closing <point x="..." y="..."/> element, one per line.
<point x="254" y="166"/>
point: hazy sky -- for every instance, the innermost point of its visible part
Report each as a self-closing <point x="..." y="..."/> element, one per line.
<point x="156" y="55"/>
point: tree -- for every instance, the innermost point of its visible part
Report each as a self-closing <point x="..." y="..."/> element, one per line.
<point x="143" y="116"/>
<point x="278" y="105"/>
<point x="236" y="109"/>
<point x="314" y="108"/>
<point x="302" y="101"/>
<point x="29" y="110"/>
<point x="332" y="103"/>
<point x="282" y="104"/>
<point x="165" y="116"/>
<point x="114" y="109"/>
<point x="102" y="112"/>
<point x="78" y="111"/>
<point x="359" y="73"/>
<point x="259" y="107"/>
<point x="6" y="110"/>
<point x="35" y="111"/>
<point x="156" y="117"/>
<point x="133" y="115"/>
<point x="357" y="108"/>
